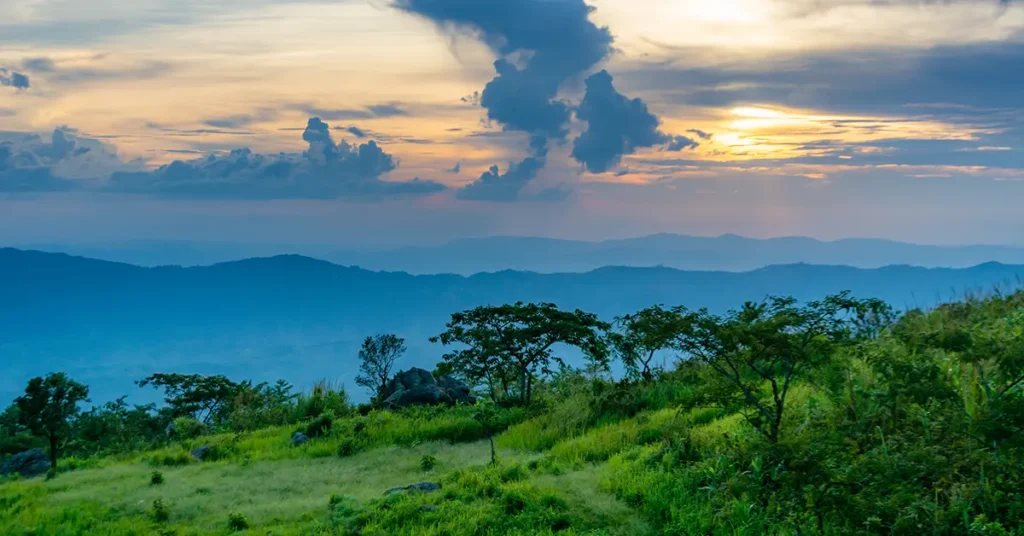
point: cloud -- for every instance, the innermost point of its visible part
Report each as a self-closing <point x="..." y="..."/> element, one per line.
<point x="553" y="41"/>
<point x="347" y="114"/>
<point x="502" y="187"/>
<point x="456" y="169"/>
<point x="701" y="134"/>
<point x="326" y="170"/>
<point x="356" y="131"/>
<point x="39" y="65"/>
<point x="616" y="126"/>
<point x="13" y="79"/>
<point x="680" y="143"/>
<point x="28" y="163"/>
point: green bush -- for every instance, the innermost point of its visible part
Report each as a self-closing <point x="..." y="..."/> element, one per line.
<point x="156" y="478"/>
<point x="159" y="512"/>
<point x="237" y="522"/>
<point x="189" y="428"/>
<point x="428" y="463"/>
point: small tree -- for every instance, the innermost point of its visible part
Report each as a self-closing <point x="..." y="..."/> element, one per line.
<point x="641" y="336"/>
<point x="48" y="407"/>
<point x="192" y="395"/>
<point x="377" y="360"/>
<point x="518" y="339"/>
<point x="487" y="415"/>
<point x="762" y="348"/>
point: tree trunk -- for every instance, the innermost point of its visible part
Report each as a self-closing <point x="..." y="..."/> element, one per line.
<point x="53" y="454"/>
<point x="523" y="397"/>
<point x="494" y="455"/>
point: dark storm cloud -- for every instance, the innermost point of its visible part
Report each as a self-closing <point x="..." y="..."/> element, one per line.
<point x="13" y="79"/>
<point x="326" y="170"/>
<point x="616" y="126"/>
<point x="540" y="43"/>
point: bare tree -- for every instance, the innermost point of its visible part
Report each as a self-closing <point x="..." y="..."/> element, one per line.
<point x="377" y="361"/>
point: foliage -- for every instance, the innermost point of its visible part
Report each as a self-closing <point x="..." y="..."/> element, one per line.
<point x="767" y="346"/>
<point x="192" y="395"/>
<point x="156" y="478"/>
<point x="513" y="343"/>
<point x="428" y="463"/>
<point x="641" y="336"/>
<point x="48" y="407"/>
<point x="377" y="359"/>
<point x="237" y="522"/>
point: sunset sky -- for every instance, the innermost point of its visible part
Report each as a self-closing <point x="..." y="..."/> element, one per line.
<point x="377" y="122"/>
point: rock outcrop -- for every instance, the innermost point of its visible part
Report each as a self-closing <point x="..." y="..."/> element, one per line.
<point x="30" y="463"/>
<point x="416" y="386"/>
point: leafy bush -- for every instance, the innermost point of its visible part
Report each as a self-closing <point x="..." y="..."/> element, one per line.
<point x="427" y="463"/>
<point x="189" y="428"/>
<point x="237" y="522"/>
<point x="156" y="478"/>
<point x="320" y="426"/>
<point x="159" y="512"/>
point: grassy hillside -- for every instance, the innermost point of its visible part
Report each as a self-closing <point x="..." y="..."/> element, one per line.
<point x="912" y="428"/>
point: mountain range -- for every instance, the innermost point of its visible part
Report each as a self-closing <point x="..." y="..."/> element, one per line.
<point x="546" y="255"/>
<point x="302" y="319"/>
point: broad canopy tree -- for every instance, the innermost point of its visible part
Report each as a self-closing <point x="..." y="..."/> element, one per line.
<point x="48" y="407"/>
<point x="641" y="336"/>
<point x="204" y="398"/>
<point x="509" y="344"/>
<point x="762" y="348"/>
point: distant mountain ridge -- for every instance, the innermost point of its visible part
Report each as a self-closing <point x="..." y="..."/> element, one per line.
<point x="546" y="255"/>
<point x="302" y="319"/>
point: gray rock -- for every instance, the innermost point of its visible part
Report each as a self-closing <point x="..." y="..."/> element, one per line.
<point x="421" y="486"/>
<point x="170" y="430"/>
<point x="28" y="464"/>
<point x="418" y="387"/>
<point x="299" y="438"/>
<point x="200" y="452"/>
<point x="456" y="390"/>
<point x="413" y="387"/>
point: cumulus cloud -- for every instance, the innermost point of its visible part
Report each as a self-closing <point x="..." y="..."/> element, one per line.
<point x="9" y="78"/>
<point x="616" y="126"/>
<point x="326" y="170"/>
<point x="502" y="187"/>
<point x="553" y="42"/>
<point x="30" y="163"/>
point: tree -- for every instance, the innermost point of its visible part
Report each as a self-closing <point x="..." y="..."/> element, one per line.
<point x="642" y="335"/>
<point x="516" y="341"/>
<point x="377" y="360"/>
<point x="761" y="349"/>
<point x="204" y="398"/>
<point x="48" y="407"/>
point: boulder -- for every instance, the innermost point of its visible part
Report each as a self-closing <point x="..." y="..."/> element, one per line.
<point x="299" y="438"/>
<point x="200" y="452"/>
<point x="421" y="486"/>
<point x="28" y="464"/>
<point x="413" y="387"/>
<point x="456" y="390"/>
<point x="418" y="387"/>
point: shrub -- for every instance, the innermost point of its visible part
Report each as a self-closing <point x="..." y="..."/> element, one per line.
<point x="189" y="428"/>
<point x="159" y="511"/>
<point x="156" y="478"/>
<point x="427" y="463"/>
<point x="171" y="457"/>
<point x="347" y="447"/>
<point x="237" y="522"/>
<point x="321" y="426"/>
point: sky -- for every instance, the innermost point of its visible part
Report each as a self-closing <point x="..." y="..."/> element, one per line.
<point x="392" y="122"/>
